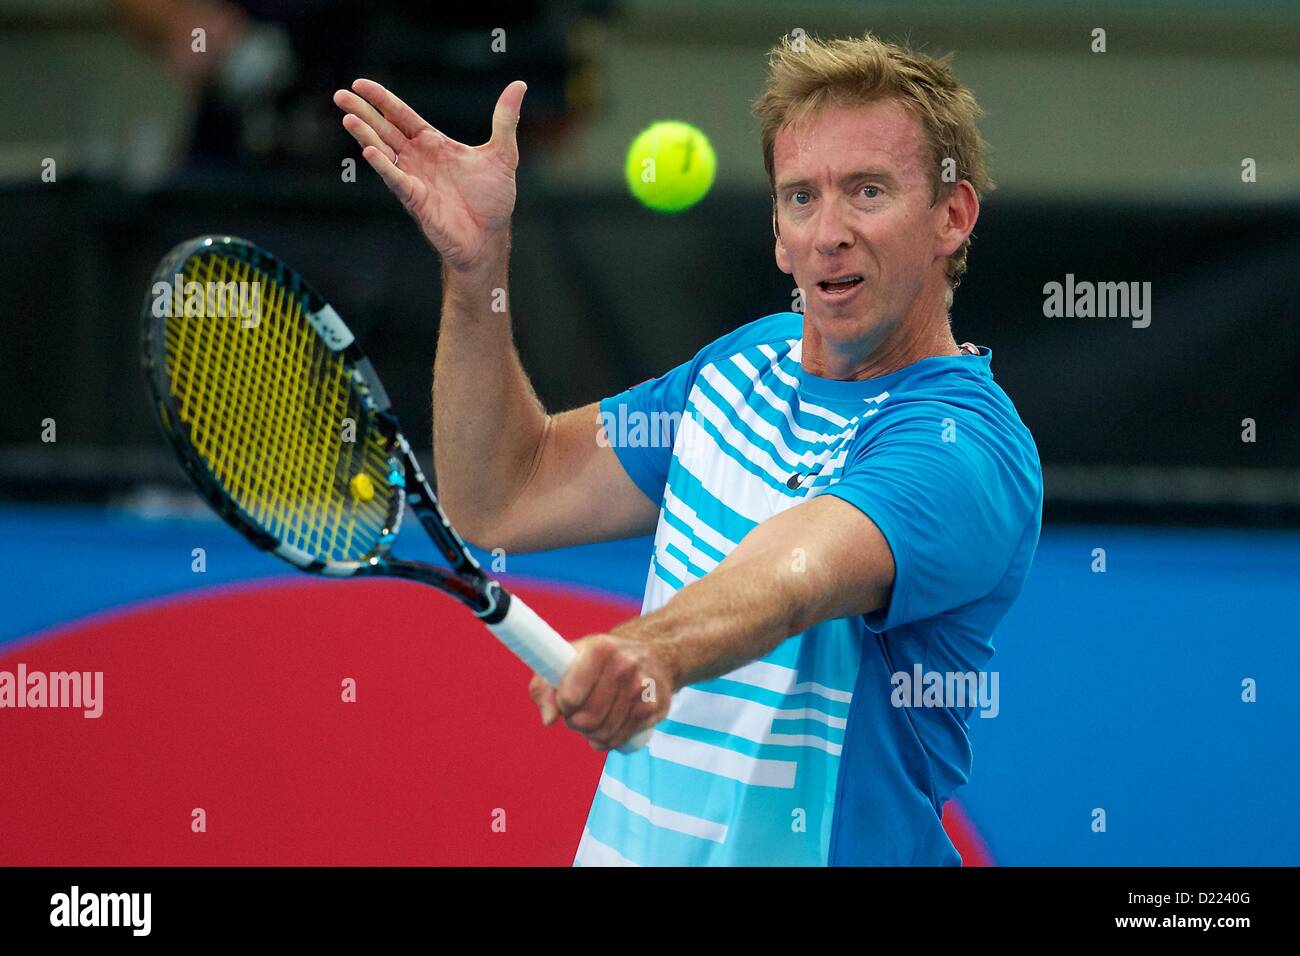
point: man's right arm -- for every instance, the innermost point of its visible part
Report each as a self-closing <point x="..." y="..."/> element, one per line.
<point x="509" y="475"/>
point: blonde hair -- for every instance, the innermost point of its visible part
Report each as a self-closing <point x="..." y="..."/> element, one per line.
<point x="806" y="74"/>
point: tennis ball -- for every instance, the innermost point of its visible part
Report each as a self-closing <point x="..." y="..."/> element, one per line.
<point x="670" y="166"/>
<point x="362" y="487"/>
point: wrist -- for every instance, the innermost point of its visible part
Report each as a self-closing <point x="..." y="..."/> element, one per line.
<point x="654" y="636"/>
<point x="488" y="269"/>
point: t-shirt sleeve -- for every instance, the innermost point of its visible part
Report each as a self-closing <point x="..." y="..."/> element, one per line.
<point x="635" y="426"/>
<point x="952" y="494"/>
<point x="641" y="422"/>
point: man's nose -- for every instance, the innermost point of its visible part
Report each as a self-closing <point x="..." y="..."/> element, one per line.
<point x="832" y="230"/>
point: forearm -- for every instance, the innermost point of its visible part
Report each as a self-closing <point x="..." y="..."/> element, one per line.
<point x="733" y="615"/>
<point x="817" y="561"/>
<point x="488" y="424"/>
<point x="821" y="560"/>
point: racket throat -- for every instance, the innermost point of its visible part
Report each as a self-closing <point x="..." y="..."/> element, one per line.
<point x="499" y="604"/>
<point x="477" y="592"/>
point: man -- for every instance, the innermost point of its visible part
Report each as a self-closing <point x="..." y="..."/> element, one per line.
<point x="850" y="499"/>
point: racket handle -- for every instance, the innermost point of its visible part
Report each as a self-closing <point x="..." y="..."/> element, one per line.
<point x="539" y="646"/>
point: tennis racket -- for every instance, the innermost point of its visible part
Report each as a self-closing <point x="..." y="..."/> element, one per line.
<point x="282" y="424"/>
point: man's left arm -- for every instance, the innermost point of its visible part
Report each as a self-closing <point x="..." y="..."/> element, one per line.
<point x="819" y="560"/>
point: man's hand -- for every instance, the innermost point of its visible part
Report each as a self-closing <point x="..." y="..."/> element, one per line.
<point x="615" y="687"/>
<point x="462" y="196"/>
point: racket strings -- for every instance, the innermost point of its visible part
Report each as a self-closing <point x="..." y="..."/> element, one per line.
<point x="266" y="404"/>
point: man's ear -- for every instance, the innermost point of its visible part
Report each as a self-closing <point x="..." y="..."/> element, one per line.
<point x="962" y="207"/>
<point x="782" y="256"/>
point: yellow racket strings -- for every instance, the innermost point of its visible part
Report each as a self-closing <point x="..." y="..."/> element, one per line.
<point x="268" y="406"/>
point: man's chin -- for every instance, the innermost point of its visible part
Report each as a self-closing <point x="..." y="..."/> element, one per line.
<point x="855" y="332"/>
<point x="849" y="325"/>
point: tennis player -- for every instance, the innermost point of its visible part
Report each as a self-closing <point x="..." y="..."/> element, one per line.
<point x="848" y="501"/>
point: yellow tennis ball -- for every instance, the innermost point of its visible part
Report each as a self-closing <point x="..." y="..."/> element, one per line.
<point x="670" y="166"/>
<point x="362" y="487"/>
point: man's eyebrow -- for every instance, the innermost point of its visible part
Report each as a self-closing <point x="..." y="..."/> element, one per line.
<point x="853" y="177"/>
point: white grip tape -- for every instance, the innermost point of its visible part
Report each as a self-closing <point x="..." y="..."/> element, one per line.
<point x="534" y="641"/>
<point x="539" y="646"/>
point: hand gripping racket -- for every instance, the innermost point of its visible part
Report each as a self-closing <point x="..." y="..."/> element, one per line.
<point x="284" y="427"/>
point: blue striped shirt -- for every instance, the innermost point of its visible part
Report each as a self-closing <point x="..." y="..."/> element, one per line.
<point x="809" y="755"/>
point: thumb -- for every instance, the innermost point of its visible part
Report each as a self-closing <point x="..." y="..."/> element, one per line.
<point x="506" y="117"/>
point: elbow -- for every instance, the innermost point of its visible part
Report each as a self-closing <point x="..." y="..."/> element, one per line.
<point x="482" y="529"/>
<point x="472" y="524"/>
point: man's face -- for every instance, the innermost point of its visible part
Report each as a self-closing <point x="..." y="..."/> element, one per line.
<point x="853" y="200"/>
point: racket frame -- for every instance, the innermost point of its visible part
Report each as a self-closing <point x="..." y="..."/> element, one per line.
<point x="512" y="621"/>
<point x="465" y="581"/>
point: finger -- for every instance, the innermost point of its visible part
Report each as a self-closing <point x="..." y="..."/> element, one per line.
<point x="619" y="724"/>
<point x="579" y="680"/>
<point x="354" y="105"/>
<point x="536" y="689"/>
<point x="551" y="711"/>
<point x="626" y="715"/>
<point x="639" y="718"/>
<point x="505" y="118"/>
<point x="543" y="695"/>
<point x="393" y="178"/>
<point x="366" y="136"/>
<point x="397" y="112"/>
<point x="587" y="700"/>
<point x="606" y="709"/>
<point x="595" y="719"/>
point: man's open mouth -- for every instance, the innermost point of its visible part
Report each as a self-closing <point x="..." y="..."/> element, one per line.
<point x="839" y="284"/>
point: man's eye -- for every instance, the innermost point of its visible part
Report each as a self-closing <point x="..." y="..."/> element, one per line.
<point x="871" y="192"/>
<point x="795" y="198"/>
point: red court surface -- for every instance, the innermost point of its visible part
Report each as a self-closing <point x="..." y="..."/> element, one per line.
<point x="230" y="701"/>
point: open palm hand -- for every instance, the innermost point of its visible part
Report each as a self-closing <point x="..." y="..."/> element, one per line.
<point x="462" y="196"/>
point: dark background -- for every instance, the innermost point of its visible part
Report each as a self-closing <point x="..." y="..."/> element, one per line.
<point x="1132" y="424"/>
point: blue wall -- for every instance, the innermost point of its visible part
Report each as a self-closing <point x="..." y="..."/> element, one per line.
<point x="1119" y="690"/>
